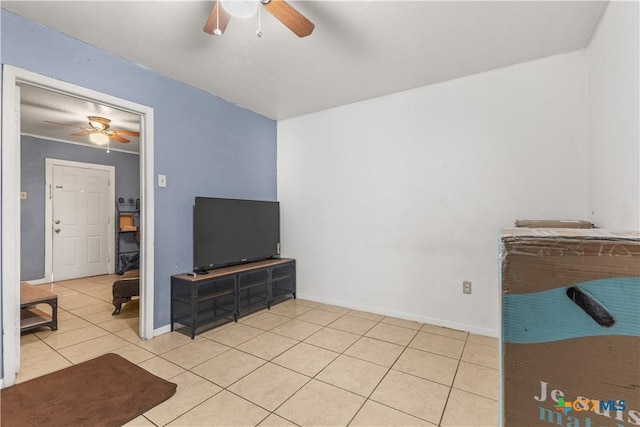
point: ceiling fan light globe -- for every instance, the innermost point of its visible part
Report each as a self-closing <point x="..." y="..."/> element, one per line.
<point x="240" y="8"/>
<point x="99" y="138"/>
<point x="217" y="32"/>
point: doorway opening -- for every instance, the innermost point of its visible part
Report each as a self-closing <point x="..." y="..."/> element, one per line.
<point x="11" y="187"/>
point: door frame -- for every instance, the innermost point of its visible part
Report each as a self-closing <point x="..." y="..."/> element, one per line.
<point x="11" y="77"/>
<point x="48" y="212"/>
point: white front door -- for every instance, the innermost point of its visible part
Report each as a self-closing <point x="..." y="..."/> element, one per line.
<point x="80" y="222"/>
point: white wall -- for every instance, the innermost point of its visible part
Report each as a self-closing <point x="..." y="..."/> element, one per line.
<point x="614" y="130"/>
<point x="389" y="204"/>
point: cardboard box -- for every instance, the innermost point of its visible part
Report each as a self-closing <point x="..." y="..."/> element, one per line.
<point x="570" y="328"/>
<point x="549" y="223"/>
<point x="126" y="222"/>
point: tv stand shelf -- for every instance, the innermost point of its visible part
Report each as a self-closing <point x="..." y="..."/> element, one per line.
<point x="230" y="292"/>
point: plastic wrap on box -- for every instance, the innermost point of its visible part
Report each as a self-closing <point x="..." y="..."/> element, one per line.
<point x="549" y="223"/>
<point x="570" y="327"/>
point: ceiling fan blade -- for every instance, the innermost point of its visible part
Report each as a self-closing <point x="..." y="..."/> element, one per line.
<point x="217" y="18"/>
<point x="290" y="17"/>
<point x="66" y="124"/>
<point x="86" y="132"/>
<point x="118" y="138"/>
<point x="125" y="133"/>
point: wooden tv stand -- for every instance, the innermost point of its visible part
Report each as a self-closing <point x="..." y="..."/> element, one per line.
<point x="230" y="292"/>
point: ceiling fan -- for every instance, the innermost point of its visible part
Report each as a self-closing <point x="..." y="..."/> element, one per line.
<point x="99" y="131"/>
<point x="223" y="10"/>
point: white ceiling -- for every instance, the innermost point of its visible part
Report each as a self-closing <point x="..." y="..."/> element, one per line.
<point x="359" y="49"/>
<point x="38" y="105"/>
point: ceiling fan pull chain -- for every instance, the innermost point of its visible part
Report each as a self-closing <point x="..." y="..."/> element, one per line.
<point x="259" y="32"/>
<point x="217" y="31"/>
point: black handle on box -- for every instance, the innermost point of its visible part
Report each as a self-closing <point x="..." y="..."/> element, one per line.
<point x="592" y="307"/>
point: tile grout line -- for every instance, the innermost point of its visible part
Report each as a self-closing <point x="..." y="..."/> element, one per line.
<point x="446" y="403"/>
<point x="321" y="370"/>
<point x="475" y="394"/>
<point x="271" y="361"/>
<point x="389" y="369"/>
<point x="375" y="388"/>
<point x="285" y="401"/>
<point x="249" y="373"/>
<point x="235" y="394"/>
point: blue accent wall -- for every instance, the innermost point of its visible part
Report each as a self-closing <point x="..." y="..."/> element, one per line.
<point x="203" y="144"/>
<point x="33" y="152"/>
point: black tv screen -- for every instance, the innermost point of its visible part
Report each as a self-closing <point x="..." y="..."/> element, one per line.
<point x="233" y="231"/>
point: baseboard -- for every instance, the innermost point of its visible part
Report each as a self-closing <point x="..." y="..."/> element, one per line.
<point x="408" y="316"/>
<point x="167" y="328"/>
<point x="385" y="312"/>
<point x="42" y="281"/>
<point x="162" y="330"/>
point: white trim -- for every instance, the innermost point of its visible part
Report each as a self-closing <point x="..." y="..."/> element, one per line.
<point x="11" y="76"/>
<point x="162" y="330"/>
<point x="146" y="224"/>
<point x="42" y="281"/>
<point x="48" y="212"/>
<point x="10" y="229"/>
<point x="49" y="138"/>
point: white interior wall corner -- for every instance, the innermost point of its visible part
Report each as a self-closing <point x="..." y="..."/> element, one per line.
<point x="613" y="89"/>
<point x="389" y="204"/>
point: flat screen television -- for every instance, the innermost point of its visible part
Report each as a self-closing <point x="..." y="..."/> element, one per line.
<point x="233" y="231"/>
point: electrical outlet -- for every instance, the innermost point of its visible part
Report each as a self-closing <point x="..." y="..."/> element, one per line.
<point x="466" y="287"/>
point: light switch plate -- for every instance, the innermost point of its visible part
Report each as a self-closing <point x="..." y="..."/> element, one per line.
<point x="162" y="180"/>
<point x="23" y="195"/>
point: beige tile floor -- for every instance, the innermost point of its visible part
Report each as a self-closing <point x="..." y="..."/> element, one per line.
<point x="300" y="363"/>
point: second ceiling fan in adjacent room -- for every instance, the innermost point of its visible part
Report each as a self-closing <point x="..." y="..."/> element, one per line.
<point x="99" y="130"/>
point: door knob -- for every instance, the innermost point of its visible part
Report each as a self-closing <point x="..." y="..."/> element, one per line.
<point x="57" y="221"/>
<point x="57" y="230"/>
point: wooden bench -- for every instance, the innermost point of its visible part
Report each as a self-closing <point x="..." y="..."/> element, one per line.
<point x="30" y="316"/>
